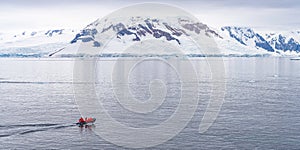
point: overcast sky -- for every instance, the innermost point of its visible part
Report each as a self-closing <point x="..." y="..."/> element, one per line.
<point x="19" y="15"/>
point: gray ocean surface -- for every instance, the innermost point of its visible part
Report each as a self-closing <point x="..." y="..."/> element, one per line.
<point x="261" y="108"/>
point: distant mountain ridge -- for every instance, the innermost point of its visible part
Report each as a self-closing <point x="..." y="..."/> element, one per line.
<point x="34" y="43"/>
<point x="146" y="27"/>
<point x="232" y="40"/>
<point x="273" y="42"/>
<point x="248" y="37"/>
<point x="177" y="32"/>
<point x="288" y="41"/>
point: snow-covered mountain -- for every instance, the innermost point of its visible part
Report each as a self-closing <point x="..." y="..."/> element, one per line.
<point x="34" y="43"/>
<point x="140" y="29"/>
<point x="230" y="40"/>
<point x="247" y="37"/>
<point x="284" y="42"/>
<point x="152" y="27"/>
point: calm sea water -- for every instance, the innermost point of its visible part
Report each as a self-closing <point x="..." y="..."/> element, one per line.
<point x="260" y="109"/>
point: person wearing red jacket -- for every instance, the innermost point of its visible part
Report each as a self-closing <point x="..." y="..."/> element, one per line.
<point x="81" y="120"/>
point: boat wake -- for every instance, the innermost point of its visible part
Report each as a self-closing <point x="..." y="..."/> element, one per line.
<point x="11" y="130"/>
<point x="27" y="125"/>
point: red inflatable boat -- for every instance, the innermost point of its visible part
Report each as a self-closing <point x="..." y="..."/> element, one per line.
<point x="87" y="121"/>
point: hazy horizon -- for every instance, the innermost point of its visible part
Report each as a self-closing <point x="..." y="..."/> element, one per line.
<point x="269" y="15"/>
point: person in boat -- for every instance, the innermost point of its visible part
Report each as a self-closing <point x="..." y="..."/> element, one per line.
<point x="81" y="120"/>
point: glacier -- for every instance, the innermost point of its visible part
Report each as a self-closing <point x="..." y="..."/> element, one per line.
<point x="34" y="43"/>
